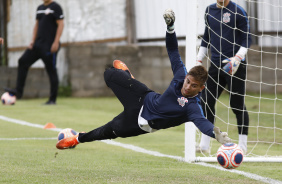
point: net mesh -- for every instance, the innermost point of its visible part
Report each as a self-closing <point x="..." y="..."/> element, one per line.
<point x="263" y="93"/>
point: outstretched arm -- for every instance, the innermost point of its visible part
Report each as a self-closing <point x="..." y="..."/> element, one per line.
<point x="205" y="126"/>
<point x="171" y="41"/>
<point x="172" y="44"/>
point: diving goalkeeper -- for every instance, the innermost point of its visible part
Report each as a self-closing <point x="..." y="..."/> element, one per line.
<point x="146" y="111"/>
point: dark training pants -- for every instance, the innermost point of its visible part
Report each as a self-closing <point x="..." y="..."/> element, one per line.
<point x="27" y="59"/>
<point x="131" y="94"/>
<point x="214" y="87"/>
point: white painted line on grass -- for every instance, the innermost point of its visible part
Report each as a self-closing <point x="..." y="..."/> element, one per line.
<point x="154" y="153"/>
<point x="20" y="122"/>
<point x="158" y="154"/>
<point x="27" y="138"/>
<point x="249" y="175"/>
<point x="142" y="150"/>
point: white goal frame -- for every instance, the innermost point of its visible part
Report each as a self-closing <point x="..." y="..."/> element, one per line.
<point x="190" y="128"/>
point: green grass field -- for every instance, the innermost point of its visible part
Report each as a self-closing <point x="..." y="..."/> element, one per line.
<point x="38" y="161"/>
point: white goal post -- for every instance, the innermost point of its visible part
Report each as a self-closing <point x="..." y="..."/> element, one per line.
<point x="264" y="141"/>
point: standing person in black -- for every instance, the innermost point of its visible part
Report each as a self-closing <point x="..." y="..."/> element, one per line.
<point x="227" y="34"/>
<point x="45" y="45"/>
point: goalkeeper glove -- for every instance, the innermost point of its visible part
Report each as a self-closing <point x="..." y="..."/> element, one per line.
<point x="169" y="20"/>
<point x="221" y="137"/>
<point x="232" y="64"/>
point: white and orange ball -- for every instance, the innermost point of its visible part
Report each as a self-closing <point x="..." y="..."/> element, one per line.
<point x="230" y="156"/>
<point x="65" y="133"/>
<point x="8" y="99"/>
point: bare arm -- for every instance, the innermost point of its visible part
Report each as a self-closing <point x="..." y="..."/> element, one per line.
<point x="1" y="41"/>
<point x="55" y="45"/>
<point x="35" y="29"/>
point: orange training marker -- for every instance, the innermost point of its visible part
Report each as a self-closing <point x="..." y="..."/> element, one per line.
<point x="49" y="125"/>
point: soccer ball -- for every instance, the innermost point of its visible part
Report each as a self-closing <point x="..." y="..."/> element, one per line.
<point x="8" y="99"/>
<point x="229" y="156"/>
<point x="65" y="133"/>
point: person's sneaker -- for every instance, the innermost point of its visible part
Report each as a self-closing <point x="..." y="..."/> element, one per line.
<point x="67" y="142"/>
<point x="121" y="65"/>
<point x="50" y="102"/>
<point x="11" y="91"/>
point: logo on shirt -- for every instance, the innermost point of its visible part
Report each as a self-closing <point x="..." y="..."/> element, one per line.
<point x="182" y="101"/>
<point x="46" y="12"/>
<point x="226" y="17"/>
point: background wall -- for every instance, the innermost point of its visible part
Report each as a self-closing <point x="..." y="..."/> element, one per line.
<point x="81" y="62"/>
<point x="85" y="21"/>
<point x="149" y="64"/>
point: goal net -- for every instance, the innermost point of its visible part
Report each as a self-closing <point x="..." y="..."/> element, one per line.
<point x="263" y="92"/>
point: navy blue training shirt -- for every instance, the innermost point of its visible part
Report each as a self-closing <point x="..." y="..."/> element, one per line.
<point x="171" y="108"/>
<point x="220" y="31"/>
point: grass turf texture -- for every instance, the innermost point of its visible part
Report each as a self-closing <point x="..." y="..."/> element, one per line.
<point x="38" y="161"/>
